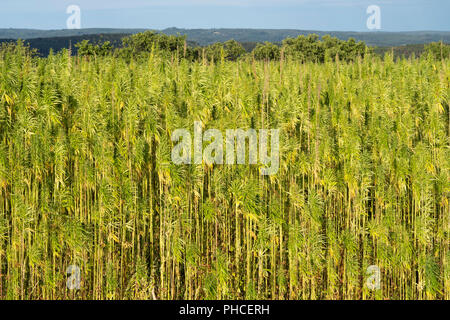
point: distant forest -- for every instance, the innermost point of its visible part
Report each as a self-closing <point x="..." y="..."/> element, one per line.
<point x="400" y="43"/>
<point x="209" y="36"/>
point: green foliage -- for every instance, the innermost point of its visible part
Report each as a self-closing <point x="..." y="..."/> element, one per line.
<point x="149" y="41"/>
<point x="85" y="48"/>
<point x="233" y="50"/>
<point x="86" y="176"/>
<point x="304" y="49"/>
<point x="438" y="50"/>
<point x="404" y="51"/>
<point x="311" y="48"/>
<point x="18" y="50"/>
<point x="266" y="51"/>
<point x="230" y="50"/>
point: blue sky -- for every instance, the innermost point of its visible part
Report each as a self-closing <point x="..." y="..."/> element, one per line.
<point x="327" y="15"/>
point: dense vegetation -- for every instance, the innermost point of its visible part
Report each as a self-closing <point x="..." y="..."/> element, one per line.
<point x="438" y="50"/>
<point x="248" y="39"/>
<point x="86" y="178"/>
<point x="406" y="51"/>
<point x="309" y="48"/>
<point x="303" y="49"/>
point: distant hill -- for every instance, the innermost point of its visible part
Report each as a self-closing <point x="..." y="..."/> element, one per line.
<point x="382" y="39"/>
<point x="34" y="33"/>
<point x="208" y="36"/>
<point x="401" y="43"/>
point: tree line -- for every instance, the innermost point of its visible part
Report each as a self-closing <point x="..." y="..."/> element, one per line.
<point x="303" y="48"/>
<point x="310" y="48"/>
